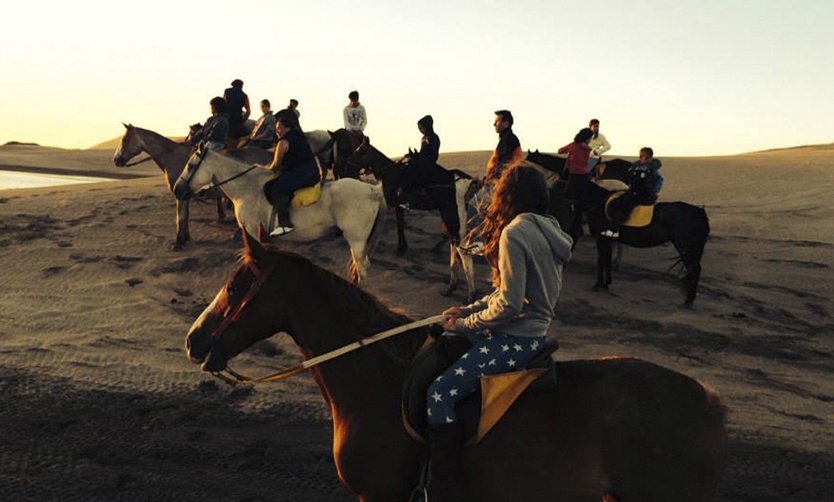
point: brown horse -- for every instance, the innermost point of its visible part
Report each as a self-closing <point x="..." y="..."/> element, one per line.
<point x="622" y="427"/>
<point x="171" y="157"/>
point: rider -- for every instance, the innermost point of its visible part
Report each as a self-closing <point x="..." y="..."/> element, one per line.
<point x="216" y="129"/>
<point x="577" y="163"/>
<point x="427" y="156"/>
<point x="599" y="145"/>
<point x="295" y="166"/>
<point x="507" y="152"/>
<point x="354" y="114"/>
<point x="645" y="182"/>
<point x="237" y="100"/>
<point x="526" y="249"/>
<point x="263" y="134"/>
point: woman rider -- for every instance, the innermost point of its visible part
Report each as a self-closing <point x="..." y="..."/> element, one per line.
<point x="526" y="249"/>
<point x="294" y="165"/>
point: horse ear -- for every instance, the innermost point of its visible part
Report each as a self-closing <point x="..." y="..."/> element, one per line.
<point x="253" y="246"/>
<point x="126" y="126"/>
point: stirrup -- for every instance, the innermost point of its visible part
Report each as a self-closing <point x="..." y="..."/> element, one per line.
<point x="611" y="234"/>
<point x="279" y="230"/>
<point x="419" y="494"/>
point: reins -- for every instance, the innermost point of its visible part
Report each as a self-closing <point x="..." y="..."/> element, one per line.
<point x="233" y="378"/>
<point x="131" y="164"/>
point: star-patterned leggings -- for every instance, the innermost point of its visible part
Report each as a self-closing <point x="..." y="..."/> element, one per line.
<point x="490" y="355"/>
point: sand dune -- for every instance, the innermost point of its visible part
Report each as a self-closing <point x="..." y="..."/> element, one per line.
<point x="99" y="402"/>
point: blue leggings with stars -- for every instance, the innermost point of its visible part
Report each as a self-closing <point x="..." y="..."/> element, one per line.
<point x="490" y="355"/>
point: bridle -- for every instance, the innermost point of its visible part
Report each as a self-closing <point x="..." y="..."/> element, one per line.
<point x="234" y="378"/>
<point x="201" y="155"/>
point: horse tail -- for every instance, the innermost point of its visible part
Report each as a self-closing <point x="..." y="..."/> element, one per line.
<point x="379" y="223"/>
<point x="373" y="236"/>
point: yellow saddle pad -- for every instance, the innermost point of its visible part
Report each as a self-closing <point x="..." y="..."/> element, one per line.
<point x="499" y="392"/>
<point x="640" y="216"/>
<point x="306" y="196"/>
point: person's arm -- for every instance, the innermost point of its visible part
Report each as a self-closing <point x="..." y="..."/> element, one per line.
<point x="508" y="299"/>
<point x="363" y="118"/>
<point x="345" y="117"/>
<point x="247" y="108"/>
<point x="604" y="147"/>
<point x="564" y="149"/>
<point x="281" y="150"/>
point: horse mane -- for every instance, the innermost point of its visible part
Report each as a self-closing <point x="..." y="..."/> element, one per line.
<point x="367" y="313"/>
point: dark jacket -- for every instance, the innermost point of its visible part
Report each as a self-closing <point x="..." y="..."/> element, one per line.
<point x="645" y="180"/>
<point x="507" y="151"/>
<point x="430" y="144"/>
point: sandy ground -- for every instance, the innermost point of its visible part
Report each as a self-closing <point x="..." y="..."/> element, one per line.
<point x="100" y="404"/>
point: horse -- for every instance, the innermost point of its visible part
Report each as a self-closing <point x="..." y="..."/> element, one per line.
<point x="171" y="157"/>
<point x="615" y="427"/>
<point x="444" y="190"/>
<point x="684" y="225"/>
<point x="355" y="208"/>
<point x="344" y="143"/>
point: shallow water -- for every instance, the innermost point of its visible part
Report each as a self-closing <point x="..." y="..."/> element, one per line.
<point x="14" y="179"/>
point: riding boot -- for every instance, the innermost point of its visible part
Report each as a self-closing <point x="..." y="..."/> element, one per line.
<point x="445" y="444"/>
<point x="282" y="208"/>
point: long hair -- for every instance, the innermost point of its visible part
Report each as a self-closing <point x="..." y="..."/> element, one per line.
<point x="521" y="189"/>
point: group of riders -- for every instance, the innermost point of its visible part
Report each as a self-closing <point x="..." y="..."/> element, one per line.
<point x="524" y="245"/>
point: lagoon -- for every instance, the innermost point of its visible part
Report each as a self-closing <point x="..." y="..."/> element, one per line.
<point x="15" y="179"/>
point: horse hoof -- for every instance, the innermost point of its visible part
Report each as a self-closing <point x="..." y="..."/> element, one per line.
<point x="401" y="251"/>
<point x="600" y="287"/>
<point x="177" y="246"/>
<point x="448" y="291"/>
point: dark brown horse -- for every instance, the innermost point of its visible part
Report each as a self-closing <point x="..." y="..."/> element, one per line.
<point x="617" y="426"/>
<point x="415" y="185"/>
<point x="684" y="225"/>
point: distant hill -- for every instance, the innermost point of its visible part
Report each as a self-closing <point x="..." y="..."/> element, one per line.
<point x="19" y="143"/>
<point x="822" y="147"/>
<point x="111" y="144"/>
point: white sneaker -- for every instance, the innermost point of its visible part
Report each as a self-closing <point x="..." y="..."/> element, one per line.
<point x="281" y="231"/>
<point x="610" y="233"/>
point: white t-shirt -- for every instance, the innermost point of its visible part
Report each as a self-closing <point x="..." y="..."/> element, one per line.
<point x="355" y="118"/>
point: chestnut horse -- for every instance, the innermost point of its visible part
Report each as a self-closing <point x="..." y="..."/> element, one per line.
<point x="618" y="428"/>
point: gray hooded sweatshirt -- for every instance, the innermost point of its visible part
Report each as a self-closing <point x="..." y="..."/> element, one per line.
<point x="532" y="250"/>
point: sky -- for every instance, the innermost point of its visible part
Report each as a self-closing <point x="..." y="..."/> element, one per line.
<point x="690" y="77"/>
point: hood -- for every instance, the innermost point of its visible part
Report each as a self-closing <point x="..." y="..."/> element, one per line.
<point x="427" y="122"/>
<point x="560" y="242"/>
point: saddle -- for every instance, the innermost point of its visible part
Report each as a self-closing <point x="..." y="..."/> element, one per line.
<point x="640" y="215"/>
<point x="304" y="196"/>
<point x="479" y="412"/>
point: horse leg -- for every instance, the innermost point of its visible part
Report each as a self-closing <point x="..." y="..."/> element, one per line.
<point x="221" y="211"/>
<point x="468" y="266"/>
<point x="402" y="245"/>
<point x="453" y="271"/>
<point x="615" y="264"/>
<point x="182" y="225"/>
<point x="603" y="264"/>
<point x="691" y="258"/>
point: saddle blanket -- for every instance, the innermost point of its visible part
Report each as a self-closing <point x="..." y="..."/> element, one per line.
<point x="640" y="216"/>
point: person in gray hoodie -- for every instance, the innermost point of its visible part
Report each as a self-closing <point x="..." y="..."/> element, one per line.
<point x="527" y="250"/>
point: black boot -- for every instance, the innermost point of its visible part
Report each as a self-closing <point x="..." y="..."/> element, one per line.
<point x="282" y="208"/>
<point x="445" y="444"/>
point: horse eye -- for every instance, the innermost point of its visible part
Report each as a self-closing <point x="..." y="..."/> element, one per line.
<point x="231" y="289"/>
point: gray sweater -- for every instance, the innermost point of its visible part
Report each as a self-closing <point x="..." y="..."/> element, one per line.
<point x="532" y="251"/>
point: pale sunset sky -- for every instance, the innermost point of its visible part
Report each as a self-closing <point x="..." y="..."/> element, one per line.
<point x="687" y="77"/>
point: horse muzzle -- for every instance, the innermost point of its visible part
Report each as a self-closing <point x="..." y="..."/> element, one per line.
<point x="119" y="161"/>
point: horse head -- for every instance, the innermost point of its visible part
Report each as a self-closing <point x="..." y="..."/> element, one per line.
<point x="192" y="178"/>
<point x="247" y="309"/>
<point x="129" y="146"/>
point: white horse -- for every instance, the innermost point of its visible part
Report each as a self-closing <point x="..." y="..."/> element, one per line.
<point x="357" y="209"/>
